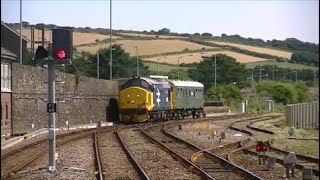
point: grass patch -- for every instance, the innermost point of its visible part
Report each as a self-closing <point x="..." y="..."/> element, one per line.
<point x="251" y="65"/>
<point x="304" y="147"/>
<point x="280" y="124"/>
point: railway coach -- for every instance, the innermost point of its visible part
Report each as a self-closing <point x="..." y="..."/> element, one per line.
<point x="187" y="99"/>
<point x="143" y="99"/>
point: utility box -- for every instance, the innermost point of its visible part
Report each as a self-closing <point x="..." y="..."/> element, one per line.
<point x="269" y="105"/>
<point x="307" y="173"/>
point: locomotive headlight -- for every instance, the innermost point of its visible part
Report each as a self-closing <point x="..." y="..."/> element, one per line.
<point x="138" y="95"/>
<point x="128" y="95"/>
<point x="132" y="101"/>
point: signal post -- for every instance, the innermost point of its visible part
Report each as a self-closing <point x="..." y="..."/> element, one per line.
<point x="261" y="149"/>
<point x="60" y="53"/>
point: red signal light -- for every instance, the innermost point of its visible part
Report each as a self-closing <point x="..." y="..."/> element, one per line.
<point x="61" y="54"/>
<point x="264" y="147"/>
<point x="258" y="148"/>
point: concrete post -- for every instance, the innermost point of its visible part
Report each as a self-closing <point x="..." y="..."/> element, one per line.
<point x="52" y="117"/>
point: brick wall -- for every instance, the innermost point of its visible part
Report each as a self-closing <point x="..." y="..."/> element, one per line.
<point x="83" y="103"/>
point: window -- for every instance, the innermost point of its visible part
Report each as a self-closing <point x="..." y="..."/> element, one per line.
<point x="5" y="77"/>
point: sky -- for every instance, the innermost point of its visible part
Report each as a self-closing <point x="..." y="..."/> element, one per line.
<point x="264" y="19"/>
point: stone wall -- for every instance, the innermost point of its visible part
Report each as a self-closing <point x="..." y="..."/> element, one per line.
<point x="79" y="103"/>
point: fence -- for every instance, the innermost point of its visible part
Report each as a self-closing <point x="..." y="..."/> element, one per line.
<point x="304" y="115"/>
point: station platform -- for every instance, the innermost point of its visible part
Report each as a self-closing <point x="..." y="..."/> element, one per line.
<point x="8" y="142"/>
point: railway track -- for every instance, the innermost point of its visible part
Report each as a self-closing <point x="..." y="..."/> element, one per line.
<point x="212" y="166"/>
<point x="278" y="154"/>
<point x="97" y="156"/>
<point x="154" y="160"/>
<point x="141" y="173"/>
<point x="20" y="158"/>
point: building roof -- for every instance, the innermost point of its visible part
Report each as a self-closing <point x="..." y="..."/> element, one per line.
<point x="14" y="31"/>
<point x="7" y="54"/>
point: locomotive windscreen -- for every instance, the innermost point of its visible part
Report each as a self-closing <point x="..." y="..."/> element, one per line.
<point x="137" y="82"/>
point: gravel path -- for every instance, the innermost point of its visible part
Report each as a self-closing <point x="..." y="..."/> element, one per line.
<point x="75" y="161"/>
<point x="250" y="162"/>
<point x="202" y="133"/>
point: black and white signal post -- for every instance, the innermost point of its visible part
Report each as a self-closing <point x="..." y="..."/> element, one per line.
<point x="60" y="53"/>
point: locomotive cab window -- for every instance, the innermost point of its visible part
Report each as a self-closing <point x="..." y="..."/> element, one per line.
<point x="137" y="82"/>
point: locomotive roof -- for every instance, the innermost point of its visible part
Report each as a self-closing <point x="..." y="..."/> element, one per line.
<point x="153" y="81"/>
<point x="186" y="83"/>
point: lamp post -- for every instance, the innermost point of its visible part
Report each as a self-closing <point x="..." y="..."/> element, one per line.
<point x="252" y="76"/>
<point x="179" y="64"/>
<point x="260" y="74"/>
<point x="158" y="63"/>
<point x="137" y="60"/>
<point x="21" y="32"/>
<point x="110" y="39"/>
<point x="215" y="71"/>
<point x="273" y="72"/>
<point x="296" y="75"/>
<point x="98" y="64"/>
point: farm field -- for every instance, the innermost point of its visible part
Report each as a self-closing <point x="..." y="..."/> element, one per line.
<point x="78" y="37"/>
<point x="149" y="47"/>
<point x="173" y="59"/>
<point x="149" y="35"/>
<point x="280" y="64"/>
<point x="273" y="52"/>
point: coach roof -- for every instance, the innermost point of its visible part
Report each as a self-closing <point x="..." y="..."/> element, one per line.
<point x="186" y="83"/>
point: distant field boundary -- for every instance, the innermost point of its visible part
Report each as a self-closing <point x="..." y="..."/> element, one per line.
<point x="234" y="49"/>
<point x="180" y="52"/>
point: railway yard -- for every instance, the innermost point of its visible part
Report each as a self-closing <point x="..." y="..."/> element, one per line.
<point x="215" y="147"/>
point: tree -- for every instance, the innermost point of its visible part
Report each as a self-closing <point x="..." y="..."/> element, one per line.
<point x="282" y="94"/>
<point x="226" y="92"/>
<point x="196" y="34"/>
<point x="123" y="65"/>
<point x="228" y="71"/>
<point x="163" y="31"/>
<point x="183" y="74"/>
<point x="206" y="34"/>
